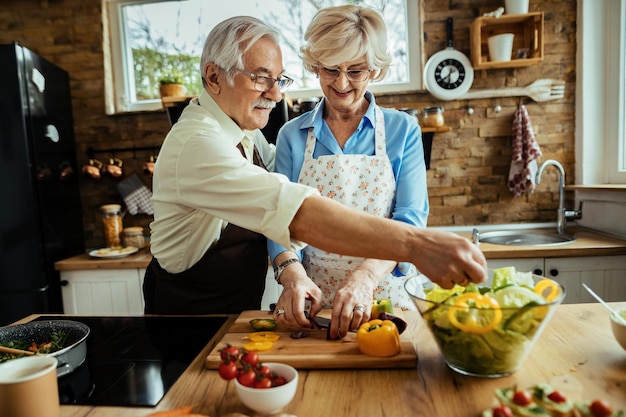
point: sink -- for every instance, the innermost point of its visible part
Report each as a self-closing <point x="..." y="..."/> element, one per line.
<point x="524" y="238"/>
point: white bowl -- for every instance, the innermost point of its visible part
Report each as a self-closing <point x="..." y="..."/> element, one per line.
<point x="270" y="400"/>
<point x="619" y="330"/>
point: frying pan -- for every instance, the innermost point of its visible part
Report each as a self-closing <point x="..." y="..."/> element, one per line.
<point x="70" y="357"/>
<point x="442" y="57"/>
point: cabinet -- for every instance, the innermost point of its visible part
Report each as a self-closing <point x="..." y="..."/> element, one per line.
<point x="103" y="291"/>
<point x="606" y="275"/>
<point x="528" y="31"/>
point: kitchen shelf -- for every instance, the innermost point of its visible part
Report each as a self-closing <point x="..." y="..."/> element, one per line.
<point x="528" y="31"/>
<point x="428" y="134"/>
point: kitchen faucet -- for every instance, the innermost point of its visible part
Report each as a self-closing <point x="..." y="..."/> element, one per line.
<point x="562" y="214"/>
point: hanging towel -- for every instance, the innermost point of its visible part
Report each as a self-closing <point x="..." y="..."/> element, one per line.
<point x="526" y="151"/>
<point x="136" y="195"/>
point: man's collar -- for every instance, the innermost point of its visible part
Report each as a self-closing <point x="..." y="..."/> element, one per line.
<point x="232" y="130"/>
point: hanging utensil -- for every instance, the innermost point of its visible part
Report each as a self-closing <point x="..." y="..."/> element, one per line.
<point x="540" y="90"/>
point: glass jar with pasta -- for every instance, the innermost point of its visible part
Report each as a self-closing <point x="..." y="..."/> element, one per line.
<point x="112" y="224"/>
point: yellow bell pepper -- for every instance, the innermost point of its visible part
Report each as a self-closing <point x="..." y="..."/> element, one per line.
<point x="547" y="284"/>
<point x="378" y="338"/>
<point x="381" y="306"/>
<point x="476" y="321"/>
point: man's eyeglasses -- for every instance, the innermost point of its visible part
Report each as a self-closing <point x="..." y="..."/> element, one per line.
<point x="356" y="75"/>
<point x="263" y="83"/>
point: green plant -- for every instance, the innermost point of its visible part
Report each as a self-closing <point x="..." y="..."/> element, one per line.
<point x="171" y="79"/>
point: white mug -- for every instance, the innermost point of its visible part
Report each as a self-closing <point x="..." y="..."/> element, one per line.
<point x="515" y="6"/>
<point x="29" y="388"/>
<point x="500" y="47"/>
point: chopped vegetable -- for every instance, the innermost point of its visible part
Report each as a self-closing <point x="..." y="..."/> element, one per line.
<point x="378" y="338"/>
<point x="381" y="306"/>
<point x="474" y="320"/>
<point x="400" y="324"/>
<point x="258" y="346"/>
<point x="263" y="324"/>
<point x="264" y="336"/>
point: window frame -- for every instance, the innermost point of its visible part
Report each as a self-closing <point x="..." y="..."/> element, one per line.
<point x="117" y="60"/>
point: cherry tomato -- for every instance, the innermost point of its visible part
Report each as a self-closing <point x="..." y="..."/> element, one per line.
<point x="278" y="380"/>
<point x="557" y="397"/>
<point x="251" y="358"/>
<point x="229" y="351"/>
<point x="600" y="408"/>
<point x="502" y="411"/>
<point x="247" y="377"/>
<point x="228" y="370"/>
<point x="264" y="370"/>
<point x="522" y="398"/>
<point x="264" y="382"/>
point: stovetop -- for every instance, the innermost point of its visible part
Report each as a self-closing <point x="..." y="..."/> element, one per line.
<point x="134" y="361"/>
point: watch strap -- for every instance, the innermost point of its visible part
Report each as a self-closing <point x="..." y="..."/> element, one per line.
<point x="278" y="270"/>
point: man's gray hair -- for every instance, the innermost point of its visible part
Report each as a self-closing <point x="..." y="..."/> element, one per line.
<point x="230" y="39"/>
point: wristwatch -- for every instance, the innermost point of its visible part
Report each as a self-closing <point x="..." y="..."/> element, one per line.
<point x="278" y="270"/>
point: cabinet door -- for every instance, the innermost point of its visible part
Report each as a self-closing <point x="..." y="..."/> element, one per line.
<point x="606" y="275"/>
<point x="106" y="291"/>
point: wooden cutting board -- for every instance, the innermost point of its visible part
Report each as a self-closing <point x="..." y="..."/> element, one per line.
<point x="313" y="351"/>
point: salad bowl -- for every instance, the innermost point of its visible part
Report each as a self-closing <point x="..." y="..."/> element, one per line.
<point x="487" y="330"/>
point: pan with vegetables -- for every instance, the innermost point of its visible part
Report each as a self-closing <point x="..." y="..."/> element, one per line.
<point x="64" y="339"/>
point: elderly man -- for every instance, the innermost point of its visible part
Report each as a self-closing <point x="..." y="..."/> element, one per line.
<point x="215" y="203"/>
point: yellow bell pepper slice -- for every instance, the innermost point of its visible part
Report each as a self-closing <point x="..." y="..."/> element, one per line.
<point x="378" y="338"/>
<point x="471" y="323"/>
<point x="258" y="346"/>
<point x="264" y="336"/>
<point x="547" y="284"/>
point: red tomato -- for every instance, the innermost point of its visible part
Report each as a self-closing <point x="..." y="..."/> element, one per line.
<point x="557" y="397"/>
<point x="600" y="408"/>
<point x="247" y="377"/>
<point x="278" y="380"/>
<point x="502" y="411"/>
<point x="229" y="352"/>
<point x="264" y="370"/>
<point x="264" y="382"/>
<point x="251" y="358"/>
<point x="522" y="398"/>
<point x="228" y="370"/>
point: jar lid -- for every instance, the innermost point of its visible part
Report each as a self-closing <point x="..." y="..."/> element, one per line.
<point x="133" y="230"/>
<point x="111" y="208"/>
<point x="433" y="110"/>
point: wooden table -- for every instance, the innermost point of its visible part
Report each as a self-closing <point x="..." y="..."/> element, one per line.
<point x="577" y="351"/>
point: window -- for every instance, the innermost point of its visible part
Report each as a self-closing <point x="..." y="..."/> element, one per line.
<point x="147" y="38"/>
<point x="601" y="93"/>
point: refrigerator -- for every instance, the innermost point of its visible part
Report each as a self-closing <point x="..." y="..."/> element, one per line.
<point x="40" y="208"/>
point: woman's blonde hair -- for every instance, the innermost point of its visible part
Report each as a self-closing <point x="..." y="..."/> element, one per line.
<point x="346" y="33"/>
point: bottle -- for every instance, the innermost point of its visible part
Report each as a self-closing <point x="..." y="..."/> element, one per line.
<point x="433" y="117"/>
<point x="112" y="223"/>
<point x="133" y="236"/>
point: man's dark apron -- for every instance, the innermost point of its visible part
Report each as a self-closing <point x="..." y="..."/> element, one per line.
<point x="229" y="278"/>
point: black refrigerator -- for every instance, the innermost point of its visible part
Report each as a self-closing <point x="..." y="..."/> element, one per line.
<point x="40" y="208"/>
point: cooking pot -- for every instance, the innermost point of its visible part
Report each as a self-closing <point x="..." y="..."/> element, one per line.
<point x="70" y="356"/>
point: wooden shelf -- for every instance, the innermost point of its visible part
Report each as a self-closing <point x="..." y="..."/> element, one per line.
<point x="528" y="31"/>
<point x="440" y="129"/>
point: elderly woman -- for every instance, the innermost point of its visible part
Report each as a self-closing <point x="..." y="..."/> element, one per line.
<point x="355" y="152"/>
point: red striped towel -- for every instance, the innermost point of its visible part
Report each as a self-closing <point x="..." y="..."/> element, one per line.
<point x="526" y="151"/>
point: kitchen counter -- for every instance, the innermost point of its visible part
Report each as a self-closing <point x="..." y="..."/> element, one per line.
<point x="577" y="352"/>
<point x="588" y="243"/>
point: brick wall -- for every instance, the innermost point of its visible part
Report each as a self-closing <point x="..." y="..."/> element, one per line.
<point x="469" y="165"/>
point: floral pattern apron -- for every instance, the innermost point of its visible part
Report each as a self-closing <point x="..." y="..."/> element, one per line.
<point x="365" y="183"/>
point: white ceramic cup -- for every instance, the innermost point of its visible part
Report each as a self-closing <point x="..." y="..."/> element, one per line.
<point x="500" y="47"/>
<point x="29" y="388"/>
<point x="515" y="6"/>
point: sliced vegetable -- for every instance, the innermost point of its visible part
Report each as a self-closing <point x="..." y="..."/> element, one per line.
<point x="264" y="336"/>
<point x="477" y="319"/>
<point x="258" y="346"/>
<point x="381" y="306"/>
<point x="263" y="324"/>
<point x="400" y="324"/>
<point x="547" y="284"/>
<point x="378" y="338"/>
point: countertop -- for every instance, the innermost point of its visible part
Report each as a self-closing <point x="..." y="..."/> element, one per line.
<point x="564" y="356"/>
<point x="588" y="243"/>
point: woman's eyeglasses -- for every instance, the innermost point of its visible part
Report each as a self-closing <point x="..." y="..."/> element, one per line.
<point x="356" y="75"/>
<point x="264" y="83"/>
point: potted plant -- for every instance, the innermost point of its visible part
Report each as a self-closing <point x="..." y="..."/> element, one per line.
<point x="171" y="85"/>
